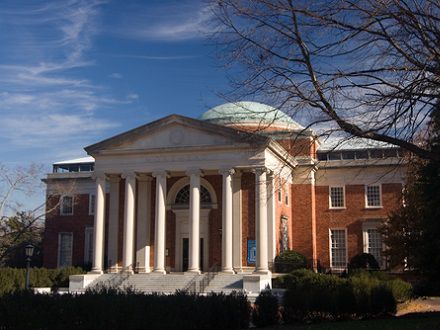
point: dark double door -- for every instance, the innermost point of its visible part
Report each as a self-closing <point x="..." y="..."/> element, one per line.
<point x="185" y="254"/>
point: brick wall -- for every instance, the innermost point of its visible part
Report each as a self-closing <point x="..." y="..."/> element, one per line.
<point x="351" y="218"/>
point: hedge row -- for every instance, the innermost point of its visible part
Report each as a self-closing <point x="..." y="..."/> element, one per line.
<point x="129" y="310"/>
<point x="13" y="279"/>
<point x="317" y="296"/>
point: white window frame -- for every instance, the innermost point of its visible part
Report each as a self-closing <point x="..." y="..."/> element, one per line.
<point x="88" y="244"/>
<point x="331" y="207"/>
<point x="62" y="203"/>
<point x="59" y="249"/>
<point x="374" y="224"/>
<point x="92" y="208"/>
<point x="380" y="197"/>
<point x="339" y="269"/>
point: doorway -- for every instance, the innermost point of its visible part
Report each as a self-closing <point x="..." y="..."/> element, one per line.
<point x="185" y="254"/>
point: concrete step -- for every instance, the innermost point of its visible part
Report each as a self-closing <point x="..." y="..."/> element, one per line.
<point x="169" y="283"/>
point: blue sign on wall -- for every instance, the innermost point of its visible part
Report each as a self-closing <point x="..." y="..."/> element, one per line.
<point x="252" y="251"/>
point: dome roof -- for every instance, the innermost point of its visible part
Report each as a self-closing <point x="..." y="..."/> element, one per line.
<point x="250" y="114"/>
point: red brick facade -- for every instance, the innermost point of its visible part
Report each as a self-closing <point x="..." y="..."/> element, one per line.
<point x="303" y="205"/>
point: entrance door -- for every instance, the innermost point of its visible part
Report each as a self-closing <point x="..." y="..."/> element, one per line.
<point x="185" y="254"/>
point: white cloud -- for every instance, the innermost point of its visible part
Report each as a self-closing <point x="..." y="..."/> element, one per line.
<point x="43" y="105"/>
<point x="115" y="75"/>
<point x="132" y="96"/>
<point x="182" y="22"/>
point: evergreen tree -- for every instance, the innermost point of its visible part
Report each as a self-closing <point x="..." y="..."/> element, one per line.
<point x="413" y="232"/>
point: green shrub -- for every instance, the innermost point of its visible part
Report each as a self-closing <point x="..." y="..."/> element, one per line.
<point x="402" y="291"/>
<point x="288" y="261"/>
<point x="317" y="296"/>
<point x="363" y="261"/>
<point x="266" y="309"/>
<point x="13" y="279"/>
<point x="124" y="310"/>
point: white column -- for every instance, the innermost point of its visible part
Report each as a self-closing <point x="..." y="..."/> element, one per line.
<point x="128" y="247"/>
<point x="271" y="232"/>
<point x="159" y="234"/>
<point x="143" y="224"/>
<point x="113" y="223"/>
<point x="237" y="223"/>
<point x="227" y="221"/>
<point x="98" y="233"/>
<point x="194" y="220"/>
<point x="261" y="220"/>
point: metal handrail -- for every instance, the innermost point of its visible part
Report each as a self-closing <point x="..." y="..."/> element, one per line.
<point x="208" y="277"/>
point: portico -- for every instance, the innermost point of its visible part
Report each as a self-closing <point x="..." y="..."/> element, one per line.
<point x="185" y="161"/>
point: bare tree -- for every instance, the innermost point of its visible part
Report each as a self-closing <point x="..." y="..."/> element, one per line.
<point x="372" y="67"/>
<point x="20" y="226"/>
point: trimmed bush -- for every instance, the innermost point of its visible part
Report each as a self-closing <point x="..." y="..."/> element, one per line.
<point x="363" y="261"/>
<point x="311" y="296"/>
<point x="124" y="311"/>
<point x="265" y="311"/>
<point x="288" y="261"/>
<point x="13" y="279"/>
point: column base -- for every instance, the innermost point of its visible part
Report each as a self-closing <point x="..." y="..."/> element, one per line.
<point x="113" y="270"/>
<point x="262" y="272"/>
<point x="193" y="271"/>
<point x="96" y="271"/>
<point x="227" y="271"/>
<point x="159" y="271"/>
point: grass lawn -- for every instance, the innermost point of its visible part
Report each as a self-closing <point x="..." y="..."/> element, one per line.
<point x="415" y="322"/>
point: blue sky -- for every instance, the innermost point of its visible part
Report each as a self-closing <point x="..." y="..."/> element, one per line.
<point x="75" y="72"/>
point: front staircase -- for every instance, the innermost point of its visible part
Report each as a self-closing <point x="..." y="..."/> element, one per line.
<point x="170" y="283"/>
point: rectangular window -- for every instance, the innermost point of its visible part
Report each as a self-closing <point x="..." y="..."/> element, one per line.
<point x="65" y="241"/>
<point x="91" y="204"/>
<point x="373" y="196"/>
<point x="66" y="207"/>
<point x="284" y="228"/>
<point x="88" y="245"/>
<point x="374" y="244"/>
<point x="279" y="189"/>
<point x="338" y="248"/>
<point x="337" y="197"/>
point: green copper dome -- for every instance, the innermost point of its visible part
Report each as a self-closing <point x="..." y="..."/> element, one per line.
<point x="243" y="113"/>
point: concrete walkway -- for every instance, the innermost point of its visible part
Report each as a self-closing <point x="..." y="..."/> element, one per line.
<point x="419" y="305"/>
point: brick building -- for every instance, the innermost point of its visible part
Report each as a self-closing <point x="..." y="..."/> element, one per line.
<point x="233" y="188"/>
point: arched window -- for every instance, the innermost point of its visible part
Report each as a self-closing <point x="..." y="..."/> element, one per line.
<point x="182" y="196"/>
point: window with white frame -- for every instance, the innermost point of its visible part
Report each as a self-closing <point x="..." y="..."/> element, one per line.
<point x="338" y="248"/>
<point x="373" y="196"/>
<point x="286" y="194"/>
<point x="88" y="245"/>
<point x="65" y="241"/>
<point x="284" y="239"/>
<point x="337" y="197"/>
<point x="373" y="243"/>
<point x="92" y="201"/>
<point x="66" y="207"/>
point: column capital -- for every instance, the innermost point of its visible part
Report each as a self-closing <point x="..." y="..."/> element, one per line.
<point x="158" y="173"/>
<point x="194" y="171"/>
<point x="98" y="176"/>
<point x="115" y="178"/>
<point x="226" y="171"/>
<point x="128" y="175"/>
<point x="260" y="170"/>
<point x="144" y="177"/>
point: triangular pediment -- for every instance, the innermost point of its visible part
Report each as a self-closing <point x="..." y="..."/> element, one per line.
<point x="175" y="132"/>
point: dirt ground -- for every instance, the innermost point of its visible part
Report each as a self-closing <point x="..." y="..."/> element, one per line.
<point x="419" y="305"/>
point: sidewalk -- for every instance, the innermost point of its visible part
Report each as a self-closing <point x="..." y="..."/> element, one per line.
<point x="419" y="305"/>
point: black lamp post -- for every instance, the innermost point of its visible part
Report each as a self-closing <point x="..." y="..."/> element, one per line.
<point x="29" y="251"/>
